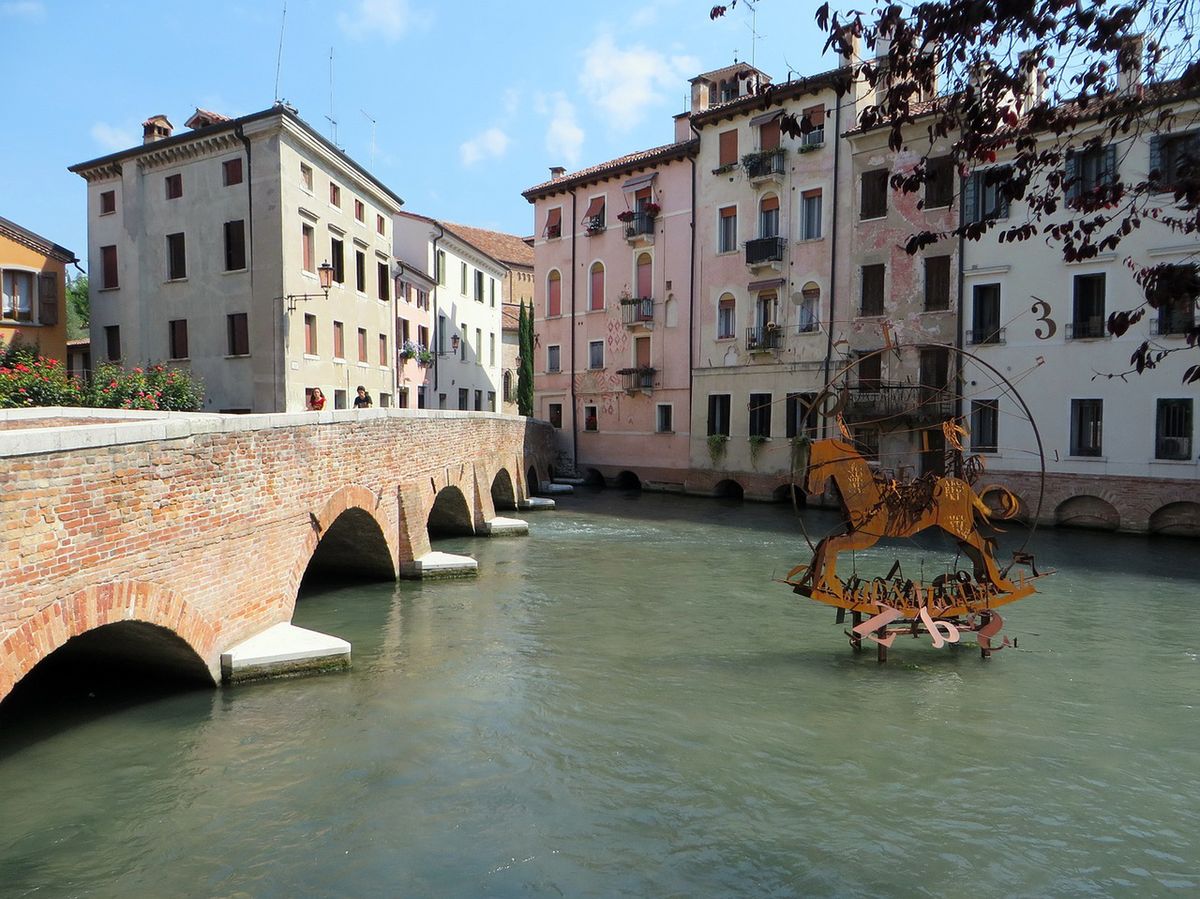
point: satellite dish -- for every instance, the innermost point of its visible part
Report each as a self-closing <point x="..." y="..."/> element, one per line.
<point x="797" y="298"/>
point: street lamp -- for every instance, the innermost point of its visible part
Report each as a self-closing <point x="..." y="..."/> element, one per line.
<point x="325" y="275"/>
<point x="454" y="340"/>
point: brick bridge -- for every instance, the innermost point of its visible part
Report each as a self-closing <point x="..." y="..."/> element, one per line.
<point x="179" y="536"/>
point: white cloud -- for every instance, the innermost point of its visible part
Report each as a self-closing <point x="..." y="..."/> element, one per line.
<point x="34" y="10"/>
<point x="624" y="83"/>
<point x="564" y="137"/>
<point x="490" y="144"/>
<point x="388" y="19"/>
<point x="111" y="137"/>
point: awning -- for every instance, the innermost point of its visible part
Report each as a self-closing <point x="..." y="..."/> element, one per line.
<point x="553" y="222"/>
<point x="765" y="284"/>
<point x="765" y="117"/>
<point x="594" y="208"/>
<point x="639" y="181"/>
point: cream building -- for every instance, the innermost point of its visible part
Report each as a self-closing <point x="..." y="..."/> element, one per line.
<point x="205" y="249"/>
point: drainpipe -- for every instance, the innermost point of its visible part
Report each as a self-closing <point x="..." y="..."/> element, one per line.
<point x="692" y="293"/>
<point x="959" y="317"/>
<point x="833" y="245"/>
<point x="574" y="417"/>
<point x="241" y="135"/>
<point x="436" y="329"/>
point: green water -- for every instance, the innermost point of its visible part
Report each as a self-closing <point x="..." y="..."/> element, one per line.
<point x="623" y="704"/>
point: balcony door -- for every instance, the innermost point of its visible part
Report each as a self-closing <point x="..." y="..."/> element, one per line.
<point x="765" y="310"/>
<point x="641" y="352"/>
<point x="768" y="218"/>
<point x="645" y="271"/>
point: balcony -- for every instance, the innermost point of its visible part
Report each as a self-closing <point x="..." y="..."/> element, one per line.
<point x="638" y="311"/>
<point x="765" y="250"/>
<point x="1086" y="329"/>
<point x="764" y="339"/>
<point x="984" y="336"/>
<point x="915" y="403"/>
<point x="638" y="379"/>
<point x="640" y="228"/>
<point x="767" y="165"/>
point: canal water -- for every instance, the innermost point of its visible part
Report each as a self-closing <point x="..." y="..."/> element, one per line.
<point x="624" y="704"/>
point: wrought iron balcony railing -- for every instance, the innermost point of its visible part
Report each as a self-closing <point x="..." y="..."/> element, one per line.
<point x="637" y="311"/>
<point x="982" y="336"/>
<point x="1172" y="324"/>
<point x="917" y="403"/>
<point x="765" y="249"/>
<point x="641" y="225"/>
<point x="764" y="165"/>
<point x="635" y="379"/>
<point x="767" y="337"/>
<point x="1086" y="328"/>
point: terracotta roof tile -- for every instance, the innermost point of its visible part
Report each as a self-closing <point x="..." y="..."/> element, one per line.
<point x="642" y="158"/>
<point x="506" y="247"/>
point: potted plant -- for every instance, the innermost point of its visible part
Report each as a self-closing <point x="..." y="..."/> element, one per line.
<point x="625" y="216"/>
<point x="409" y="350"/>
<point x="424" y="357"/>
<point x="651" y="210"/>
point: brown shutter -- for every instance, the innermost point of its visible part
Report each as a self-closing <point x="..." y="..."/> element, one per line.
<point x="769" y="204"/>
<point x="728" y="147"/>
<point x="48" y="299"/>
<point x="769" y="138"/>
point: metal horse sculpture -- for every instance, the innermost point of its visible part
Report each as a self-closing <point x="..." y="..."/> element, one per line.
<point x="876" y="507"/>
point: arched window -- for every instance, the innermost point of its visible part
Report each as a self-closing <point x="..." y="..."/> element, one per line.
<point x="553" y="294"/>
<point x="768" y="216"/>
<point x="508" y="391"/>
<point x="645" y="270"/>
<point x="726" y="316"/>
<point x="596" y="287"/>
<point x="810" y="300"/>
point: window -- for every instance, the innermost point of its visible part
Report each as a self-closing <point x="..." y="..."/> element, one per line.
<point x="935" y="368"/>
<point x="507" y="386"/>
<point x="385" y="282"/>
<point x="1087" y="318"/>
<point x="443" y="332"/>
<point x="728" y="148"/>
<point x="108" y="268"/>
<point x="491" y="400"/>
<point x="939" y="182"/>
<point x="337" y="255"/>
<point x="937" y="283"/>
<point x="718" y="414"/>
<point x="479" y="346"/>
<point x="985" y="315"/>
<point x="176" y="258"/>
<point x="663" y="423"/>
<point x="555" y="413"/>
<point x="385" y="399"/>
<point x="1173" y="430"/>
<point x="590" y="422"/>
<point x="1087" y="416"/>
<point x="177" y="338"/>
<point x="553" y="354"/>
<point x="360" y="211"/>
<point x="339" y="340"/>
<point x="335" y="195"/>
<point x="645" y="276"/>
<point x="492" y="348"/>
<point x="802" y="417"/>
<point x="596" y="354"/>
<point x="726" y="308"/>
<point x="982" y="196"/>
<point x="174" y="186"/>
<point x="439" y="265"/>
<point x="870" y="371"/>
<point x="760" y="415"/>
<point x="1091" y="173"/>
<point x="553" y="294"/>
<point x="380" y="224"/>
<point x="339" y="399"/>
<point x="867" y="440"/>
<point x="306" y="177"/>
<point x="985" y="422"/>
<point x="492" y="292"/>
<point x="768" y="135"/>
<point x="596" y="287"/>
<point x="238" y="328"/>
<point x="235" y="246"/>
<point x="422" y="335"/>
<point x="553" y="227"/>
<point x="112" y="342"/>
<point x="1172" y="156"/>
<point x="108" y="202"/>
<point x="308" y="249"/>
<point x="360" y="271"/>
<point x="362" y="345"/>
<point x="310" y="335"/>
<point x="404" y="333"/>
<point x="1176" y="315"/>
<point x="816" y="117"/>
<point x="478" y="286"/>
<point x="383" y="353"/>
<point x="874" y="194"/>
<point x="422" y="299"/>
<point x="18" y="296"/>
<point x="727" y="230"/>
<point x="872" y="289"/>
<point x="593" y="216"/>
<point x="768" y="217"/>
<point x="231" y="172"/>
<point x="463" y="278"/>
<point x="810" y="214"/>
<point x="810" y="303"/>
<point x="464" y="346"/>
<point x="464" y="398"/>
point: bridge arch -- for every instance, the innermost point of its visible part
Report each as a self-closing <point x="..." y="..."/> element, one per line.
<point x="450" y="513"/>
<point x="504" y="492"/>
<point x="532" y="484"/>
<point x="348" y="536"/>
<point x="129" y="613"/>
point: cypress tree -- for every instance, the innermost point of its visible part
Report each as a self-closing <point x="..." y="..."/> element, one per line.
<point x="525" y="372"/>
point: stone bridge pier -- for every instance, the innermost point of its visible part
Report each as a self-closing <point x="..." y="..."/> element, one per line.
<point x="182" y="539"/>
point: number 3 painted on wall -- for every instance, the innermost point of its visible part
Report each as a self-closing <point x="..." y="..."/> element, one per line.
<point x="1042" y="309"/>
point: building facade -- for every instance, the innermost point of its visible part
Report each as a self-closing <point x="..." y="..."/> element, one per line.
<point x="205" y="250"/>
<point x="414" y="334"/>
<point x="33" y="288"/>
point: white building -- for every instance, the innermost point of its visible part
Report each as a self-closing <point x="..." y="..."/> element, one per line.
<point x="467" y="301"/>
<point x="197" y="241"/>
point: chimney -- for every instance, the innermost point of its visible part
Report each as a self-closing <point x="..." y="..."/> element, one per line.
<point x="1033" y="79"/>
<point x="1129" y="65"/>
<point x="556" y="172"/>
<point x="847" y="60"/>
<point x="156" y="128"/>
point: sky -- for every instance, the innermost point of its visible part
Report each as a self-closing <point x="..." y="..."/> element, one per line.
<point x="472" y="101"/>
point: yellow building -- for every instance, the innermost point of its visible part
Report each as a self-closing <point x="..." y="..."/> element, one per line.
<point x="33" y="289"/>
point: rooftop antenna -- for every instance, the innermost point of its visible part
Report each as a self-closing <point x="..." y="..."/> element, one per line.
<point x="753" y="25"/>
<point x="329" y="118"/>
<point x="371" y="119"/>
<point x="279" y="55"/>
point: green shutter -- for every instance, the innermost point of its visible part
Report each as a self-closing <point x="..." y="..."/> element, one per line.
<point x="1072" y="171"/>
<point x="1001" y="196"/>
<point x="970" y="209"/>
<point x="1109" y="177"/>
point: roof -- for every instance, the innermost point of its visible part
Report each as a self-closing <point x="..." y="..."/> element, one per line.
<point x="278" y="109"/>
<point x="630" y="162"/>
<point x="35" y="241"/>
<point x="204" y="117"/>
<point x="771" y="94"/>
<point x="510" y="317"/>
<point x="732" y="67"/>
<point x="409" y="269"/>
<point x="505" y="247"/>
<point x="451" y="230"/>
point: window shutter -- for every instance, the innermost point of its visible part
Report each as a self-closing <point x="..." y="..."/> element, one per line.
<point x="728" y="147"/>
<point x="1001" y="196"/>
<point x="1156" y="172"/>
<point x="1109" y="177"/>
<point x="970" y="197"/>
<point x="48" y="299"/>
<point x="1072" y="176"/>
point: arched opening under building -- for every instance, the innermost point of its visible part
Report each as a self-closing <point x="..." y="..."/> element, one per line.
<point x="532" y="484"/>
<point x="593" y="478"/>
<point x="627" y="480"/>
<point x="1087" y="512"/>
<point x="450" y="515"/>
<point x="789" y="493"/>
<point x="103" y="670"/>
<point x="1181" y="519"/>
<point x="504" y="495"/>
<point x="729" y="489"/>
<point x="352" y="548"/>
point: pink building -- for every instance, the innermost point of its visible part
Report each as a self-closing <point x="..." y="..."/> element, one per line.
<point x="414" y="335"/>
<point x="613" y="257"/>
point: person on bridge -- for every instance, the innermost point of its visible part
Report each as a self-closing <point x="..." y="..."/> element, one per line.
<point x="316" y="400"/>
<point x="363" y="400"/>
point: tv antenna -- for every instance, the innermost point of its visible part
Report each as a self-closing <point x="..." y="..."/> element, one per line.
<point x="279" y="55"/>
<point x="752" y="5"/>
<point x="371" y="119"/>
<point x="329" y="118"/>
